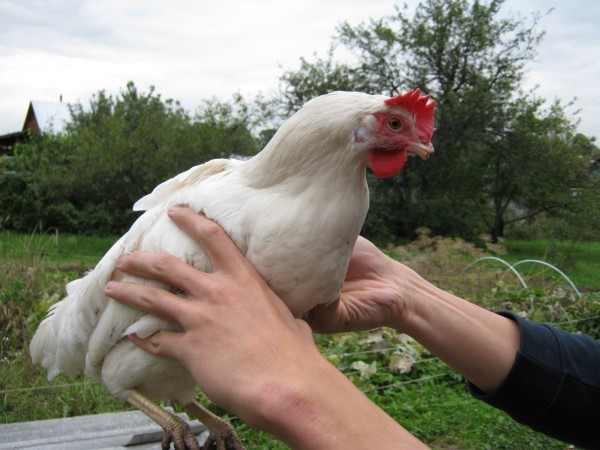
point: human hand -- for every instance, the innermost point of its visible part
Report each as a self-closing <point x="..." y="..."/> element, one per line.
<point x="233" y="327"/>
<point x="372" y="295"/>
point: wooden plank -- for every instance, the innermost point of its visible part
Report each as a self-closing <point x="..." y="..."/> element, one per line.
<point x="128" y="429"/>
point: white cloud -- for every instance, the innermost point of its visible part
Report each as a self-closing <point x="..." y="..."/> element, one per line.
<point x="566" y="67"/>
<point x="191" y="50"/>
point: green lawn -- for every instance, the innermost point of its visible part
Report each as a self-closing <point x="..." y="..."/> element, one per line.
<point x="581" y="261"/>
<point x="59" y="249"/>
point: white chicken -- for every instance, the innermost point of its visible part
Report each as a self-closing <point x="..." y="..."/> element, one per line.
<point x="295" y="210"/>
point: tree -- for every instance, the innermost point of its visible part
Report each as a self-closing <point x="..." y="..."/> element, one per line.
<point x="237" y="127"/>
<point x="535" y="164"/>
<point x="472" y="61"/>
<point x="579" y="218"/>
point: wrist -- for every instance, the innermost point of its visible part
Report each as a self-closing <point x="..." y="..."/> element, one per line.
<point x="473" y="341"/>
<point x="412" y="295"/>
<point x="322" y="409"/>
<point x="295" y="407"/>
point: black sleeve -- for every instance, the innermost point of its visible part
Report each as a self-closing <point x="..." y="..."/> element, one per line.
<point x="554" y="384"/>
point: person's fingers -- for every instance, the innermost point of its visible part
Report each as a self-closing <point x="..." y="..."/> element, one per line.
<point x="162" y="343"/>
<point x="162" y="267"/>
<point x="150" y="299"/>
<point x="219" y="247"/>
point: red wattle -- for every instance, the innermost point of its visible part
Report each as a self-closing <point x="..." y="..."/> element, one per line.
<point x="386" y="163"/>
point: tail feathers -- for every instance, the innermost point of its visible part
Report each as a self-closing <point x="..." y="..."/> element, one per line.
<point x="61" y="340"/>
<point x="43" y="348"/>
<point x="51" y="350"/>
<point x="44" y="351"/>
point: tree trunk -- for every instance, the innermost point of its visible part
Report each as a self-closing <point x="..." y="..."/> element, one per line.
<point x="498" y="227"/>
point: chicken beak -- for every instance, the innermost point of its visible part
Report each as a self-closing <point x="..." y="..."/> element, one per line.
<point x="422" y="150"/>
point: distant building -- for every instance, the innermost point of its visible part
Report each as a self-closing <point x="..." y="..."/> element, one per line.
<point x="47" y="117"/>
<point x="42" y="117"/>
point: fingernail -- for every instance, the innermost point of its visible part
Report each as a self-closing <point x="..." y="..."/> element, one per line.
<point x="121" y="260"/>
<point x="110" y="286"/>
<point x="173" y="209"/>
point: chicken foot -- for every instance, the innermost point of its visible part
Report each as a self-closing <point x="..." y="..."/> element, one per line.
<point x="222" y="435"/>
<point x="176" y="429"/>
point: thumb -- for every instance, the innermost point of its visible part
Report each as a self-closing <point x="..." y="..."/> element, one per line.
<point x="162" y="343"/>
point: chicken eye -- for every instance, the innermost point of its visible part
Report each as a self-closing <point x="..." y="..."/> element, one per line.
<point x="394" y="123"/>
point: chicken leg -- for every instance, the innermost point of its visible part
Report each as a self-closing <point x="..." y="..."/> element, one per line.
<point x="222" y="435"/>
<point x="176" y="429"/>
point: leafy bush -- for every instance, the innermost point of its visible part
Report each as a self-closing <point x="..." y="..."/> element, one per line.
<point x="87" y="179"/>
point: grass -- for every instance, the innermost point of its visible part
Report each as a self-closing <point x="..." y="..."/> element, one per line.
<point x="78" y="251"/>
<point x="416" y="389"/>
<point x="446" y="416"/>
<point x="580" y="261"/>
<point x="27" y="395"/>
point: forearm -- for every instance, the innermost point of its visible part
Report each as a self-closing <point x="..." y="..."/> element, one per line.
<point x="324" y="410"/>
<point x="475" y="342"/>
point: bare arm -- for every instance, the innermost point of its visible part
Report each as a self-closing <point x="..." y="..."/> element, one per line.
<point x="477" y="343"/>
<point x="379" y="291"/>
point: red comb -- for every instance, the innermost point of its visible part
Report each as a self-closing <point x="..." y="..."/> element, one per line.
<point x="421" y="106"/>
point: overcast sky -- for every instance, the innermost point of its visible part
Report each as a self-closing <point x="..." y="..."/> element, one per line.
<point x="195" y="49"/>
